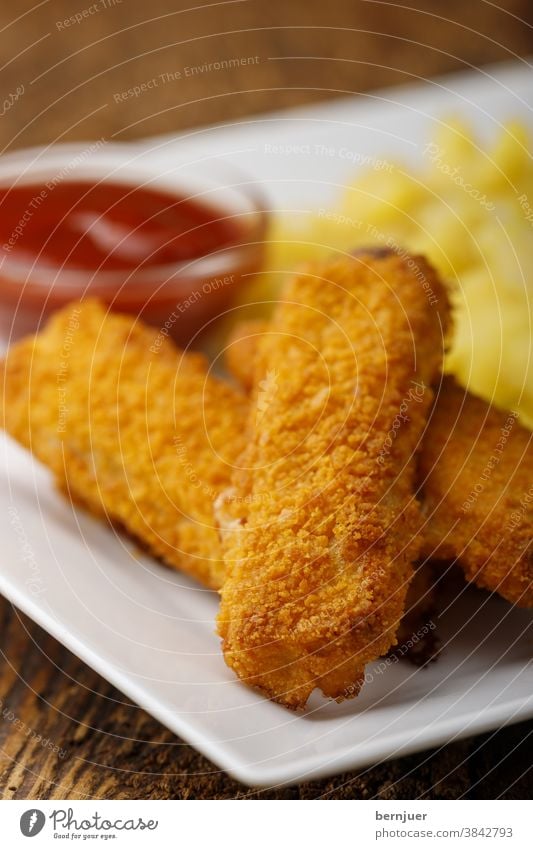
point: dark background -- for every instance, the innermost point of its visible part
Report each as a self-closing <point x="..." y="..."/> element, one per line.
<point x="308" y="50"/>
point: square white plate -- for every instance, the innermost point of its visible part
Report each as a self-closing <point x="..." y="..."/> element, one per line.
<point x="151" y="633"/>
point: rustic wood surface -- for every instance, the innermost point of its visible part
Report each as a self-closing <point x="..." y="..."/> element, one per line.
<point x="307" y="51"/>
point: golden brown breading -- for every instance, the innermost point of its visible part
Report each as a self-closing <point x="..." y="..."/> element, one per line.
<point x="241" y="350"/>
<point x="131" y="427"/>
<point x="476" y="471"/>
<point x="490" y="535"/>
<point x="320" y="528"/>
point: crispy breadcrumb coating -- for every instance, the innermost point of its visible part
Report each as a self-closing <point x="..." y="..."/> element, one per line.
<point x="320" y="529"/>
<point x="476" y="471"/>
<point x="476" y="482"/>
<point x="241" y="351"/>
<point x="131" y="427"/>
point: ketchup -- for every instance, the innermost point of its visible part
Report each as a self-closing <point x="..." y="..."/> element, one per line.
<point x="133" y="246"/>
<point x="108" y="226"/>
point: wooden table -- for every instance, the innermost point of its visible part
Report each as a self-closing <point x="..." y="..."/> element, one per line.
<point x="72" y="74"/>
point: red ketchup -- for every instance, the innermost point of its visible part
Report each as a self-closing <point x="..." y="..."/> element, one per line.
<point x="140" y="249"/>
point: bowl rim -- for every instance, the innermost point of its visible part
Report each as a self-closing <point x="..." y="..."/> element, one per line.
<point x="39" y="158"/>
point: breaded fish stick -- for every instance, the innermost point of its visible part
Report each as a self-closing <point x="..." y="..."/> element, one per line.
<point x="476" y="474"/>
<point x="131" y="427"/>
<point x="321" y="527"/>
<point x="476" y="479"/>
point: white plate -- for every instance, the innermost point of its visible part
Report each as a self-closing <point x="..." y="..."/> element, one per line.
<point x="150" y="632"/>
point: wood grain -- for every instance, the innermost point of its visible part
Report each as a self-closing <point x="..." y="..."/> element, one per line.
<point x="114" y="750"/>
<point x="306" y="51"/>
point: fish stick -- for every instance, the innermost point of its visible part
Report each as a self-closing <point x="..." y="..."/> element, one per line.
<point x="131" y="427"/>
<point x="475" y="481"/>
<point x="421" y="599"/>
<point x="240" y="353"/>
<point x="320" y="526"/>
<point x="476" y="474"/>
